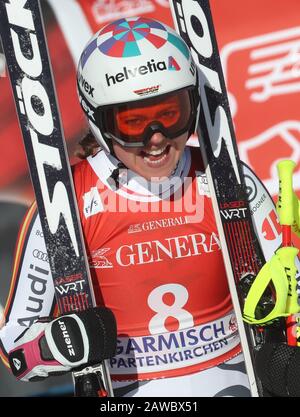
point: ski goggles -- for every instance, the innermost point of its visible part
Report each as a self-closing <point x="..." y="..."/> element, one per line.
<point x="133" y="124"/>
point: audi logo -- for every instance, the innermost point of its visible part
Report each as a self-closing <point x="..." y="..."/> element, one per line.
<point x="42" y="256"/>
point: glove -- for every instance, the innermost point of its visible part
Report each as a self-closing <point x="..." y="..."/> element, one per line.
<point x="51" y="347"/>
<point x="278" y="368"/>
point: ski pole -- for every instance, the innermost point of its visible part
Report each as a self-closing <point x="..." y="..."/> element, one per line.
<point x="285" y="208"/>
<point x="193" y="21"/>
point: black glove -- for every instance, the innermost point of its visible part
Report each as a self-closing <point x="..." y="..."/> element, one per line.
<point x="278" y="368"/>
<point x="50" y="347"/>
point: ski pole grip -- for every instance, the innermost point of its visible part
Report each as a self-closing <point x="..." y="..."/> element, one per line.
<point x="285" y="209"/>
<point x="285" y="201"/>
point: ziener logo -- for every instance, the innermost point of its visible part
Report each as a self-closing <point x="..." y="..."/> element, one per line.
<point x="66" y="337"/>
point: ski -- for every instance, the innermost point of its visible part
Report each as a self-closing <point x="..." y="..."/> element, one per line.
<point x="29" y="68"/>
<point x="241" y="250"/>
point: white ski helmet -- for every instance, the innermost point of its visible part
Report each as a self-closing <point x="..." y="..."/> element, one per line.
<point x="132" y="60"/>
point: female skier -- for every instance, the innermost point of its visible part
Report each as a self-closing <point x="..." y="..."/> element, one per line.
<point x="149" y="230"/>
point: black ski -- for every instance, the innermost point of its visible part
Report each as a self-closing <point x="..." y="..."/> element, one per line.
<point x="29" y="68"/>
<point x="241" y="250"/>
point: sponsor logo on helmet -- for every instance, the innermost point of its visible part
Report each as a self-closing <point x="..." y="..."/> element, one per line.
<point x="173" y="65"/>
<point x="151" y="66"/>
<point x="148" y="90"/>
<point x="86" y="108"/>
<point x="86" y="86"/>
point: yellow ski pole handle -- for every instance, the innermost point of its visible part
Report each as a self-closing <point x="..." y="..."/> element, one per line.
<point x="285" y="203"/>
<point x="279" y="269"/>
<point x="285" y="209"/>
<point x="290" y="210"/>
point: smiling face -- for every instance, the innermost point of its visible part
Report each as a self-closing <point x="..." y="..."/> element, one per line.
<point x="156" y="160"/>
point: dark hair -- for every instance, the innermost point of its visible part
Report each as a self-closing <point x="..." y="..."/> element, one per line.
<point x="89" y="146"/>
